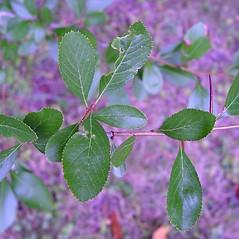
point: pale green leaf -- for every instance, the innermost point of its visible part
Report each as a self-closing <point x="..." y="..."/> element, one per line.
<point x="199" y="99"/>
<point x="122" y="116"/>
<point x="7" y="159"/>
<point x="8" y="206"/>
<point x="232" y="101"/>
<point x="122" y="152"/>
<point x="30" y="190"/>
<point x="152" y="79"/>
<point x="176" y="75"/>
<point x="184" y="199"/>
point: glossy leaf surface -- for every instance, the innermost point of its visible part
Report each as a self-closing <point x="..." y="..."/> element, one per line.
<point x="184" y="199"/>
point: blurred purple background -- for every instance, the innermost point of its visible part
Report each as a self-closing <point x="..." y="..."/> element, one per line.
<point x="136" y="203"/>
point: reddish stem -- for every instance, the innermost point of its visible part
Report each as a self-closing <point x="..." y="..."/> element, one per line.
<point x="153" y="133"/>
<point x="88" y="111"/>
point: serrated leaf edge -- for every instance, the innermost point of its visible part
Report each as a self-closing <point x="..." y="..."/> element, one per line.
<point x="106" y="181"/>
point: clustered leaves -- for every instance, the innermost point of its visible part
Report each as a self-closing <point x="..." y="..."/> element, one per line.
<point x="84" y="148"/>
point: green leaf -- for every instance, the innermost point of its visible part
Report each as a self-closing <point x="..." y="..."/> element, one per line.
<point x="77" y="6"/>
<point x="95" y="18"/>
<point x="122" y="152"/>
<point x="122" y="116"/>
<point x="188" y="124"/>
<point x="199" y="98"/>
<point x="152" y="79"/>
<point x="139" y="91"/>
<point x="7" y="159"/>
<point x="19" y="30"/>
<point x="57" y="142"/>
<point x="134" y="50"/>
<point x="8" y="206"/>
<point x="45" y="16"/>
<point x="86" y="161"/>
<point x="30" y="190"/>
<point x="111" y="54"/>
<point x="31" y="6"/>
<point x="11" y="127"/>
<point x="77" y="61"/>
<point x="196" y="42"/>
<point x="232" y="101"/>
<point x="9" y="51"/>
<point x="44" y="123"/>
<point x="184" y="199"/>
<point x="176" y="75"/>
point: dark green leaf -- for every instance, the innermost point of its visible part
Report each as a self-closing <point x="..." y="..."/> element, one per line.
<point x="11" y="127"/>
<point x="184" y="199"/>
<point x="30" y="190"/>
<point x="111" y="54"/>
<point x="188" y="124"/>
<point x="45" y="16"/>
<point x="57" y="142"/>
<point x="176" y="75"/>
<point x="89" y="36"/>
<point x="232" y="101"/>
<point x="9" y="51"/>
<point x="134" y="50"/>
<point x="152" y="79"/>
<point x="86" y="161"/>
<point x="8" y="206"/>
<point x="199" y="98"/>
<point x="122" y="116"/>
<point x="45" y="123"/>
<point x="77" y="61"/>
<point x="196" y="42"/>
<point x="122" y="152"/>
<point x="7" y="159"/>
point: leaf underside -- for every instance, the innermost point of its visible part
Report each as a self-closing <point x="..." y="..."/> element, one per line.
<point x="134" y="50"/>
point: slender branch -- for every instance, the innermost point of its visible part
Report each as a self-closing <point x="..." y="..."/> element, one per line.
<point x="154" y="133"/>
<point x="211" y="94"/>
<point x="145" y="133"/>
<point x="227" y="127"/>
